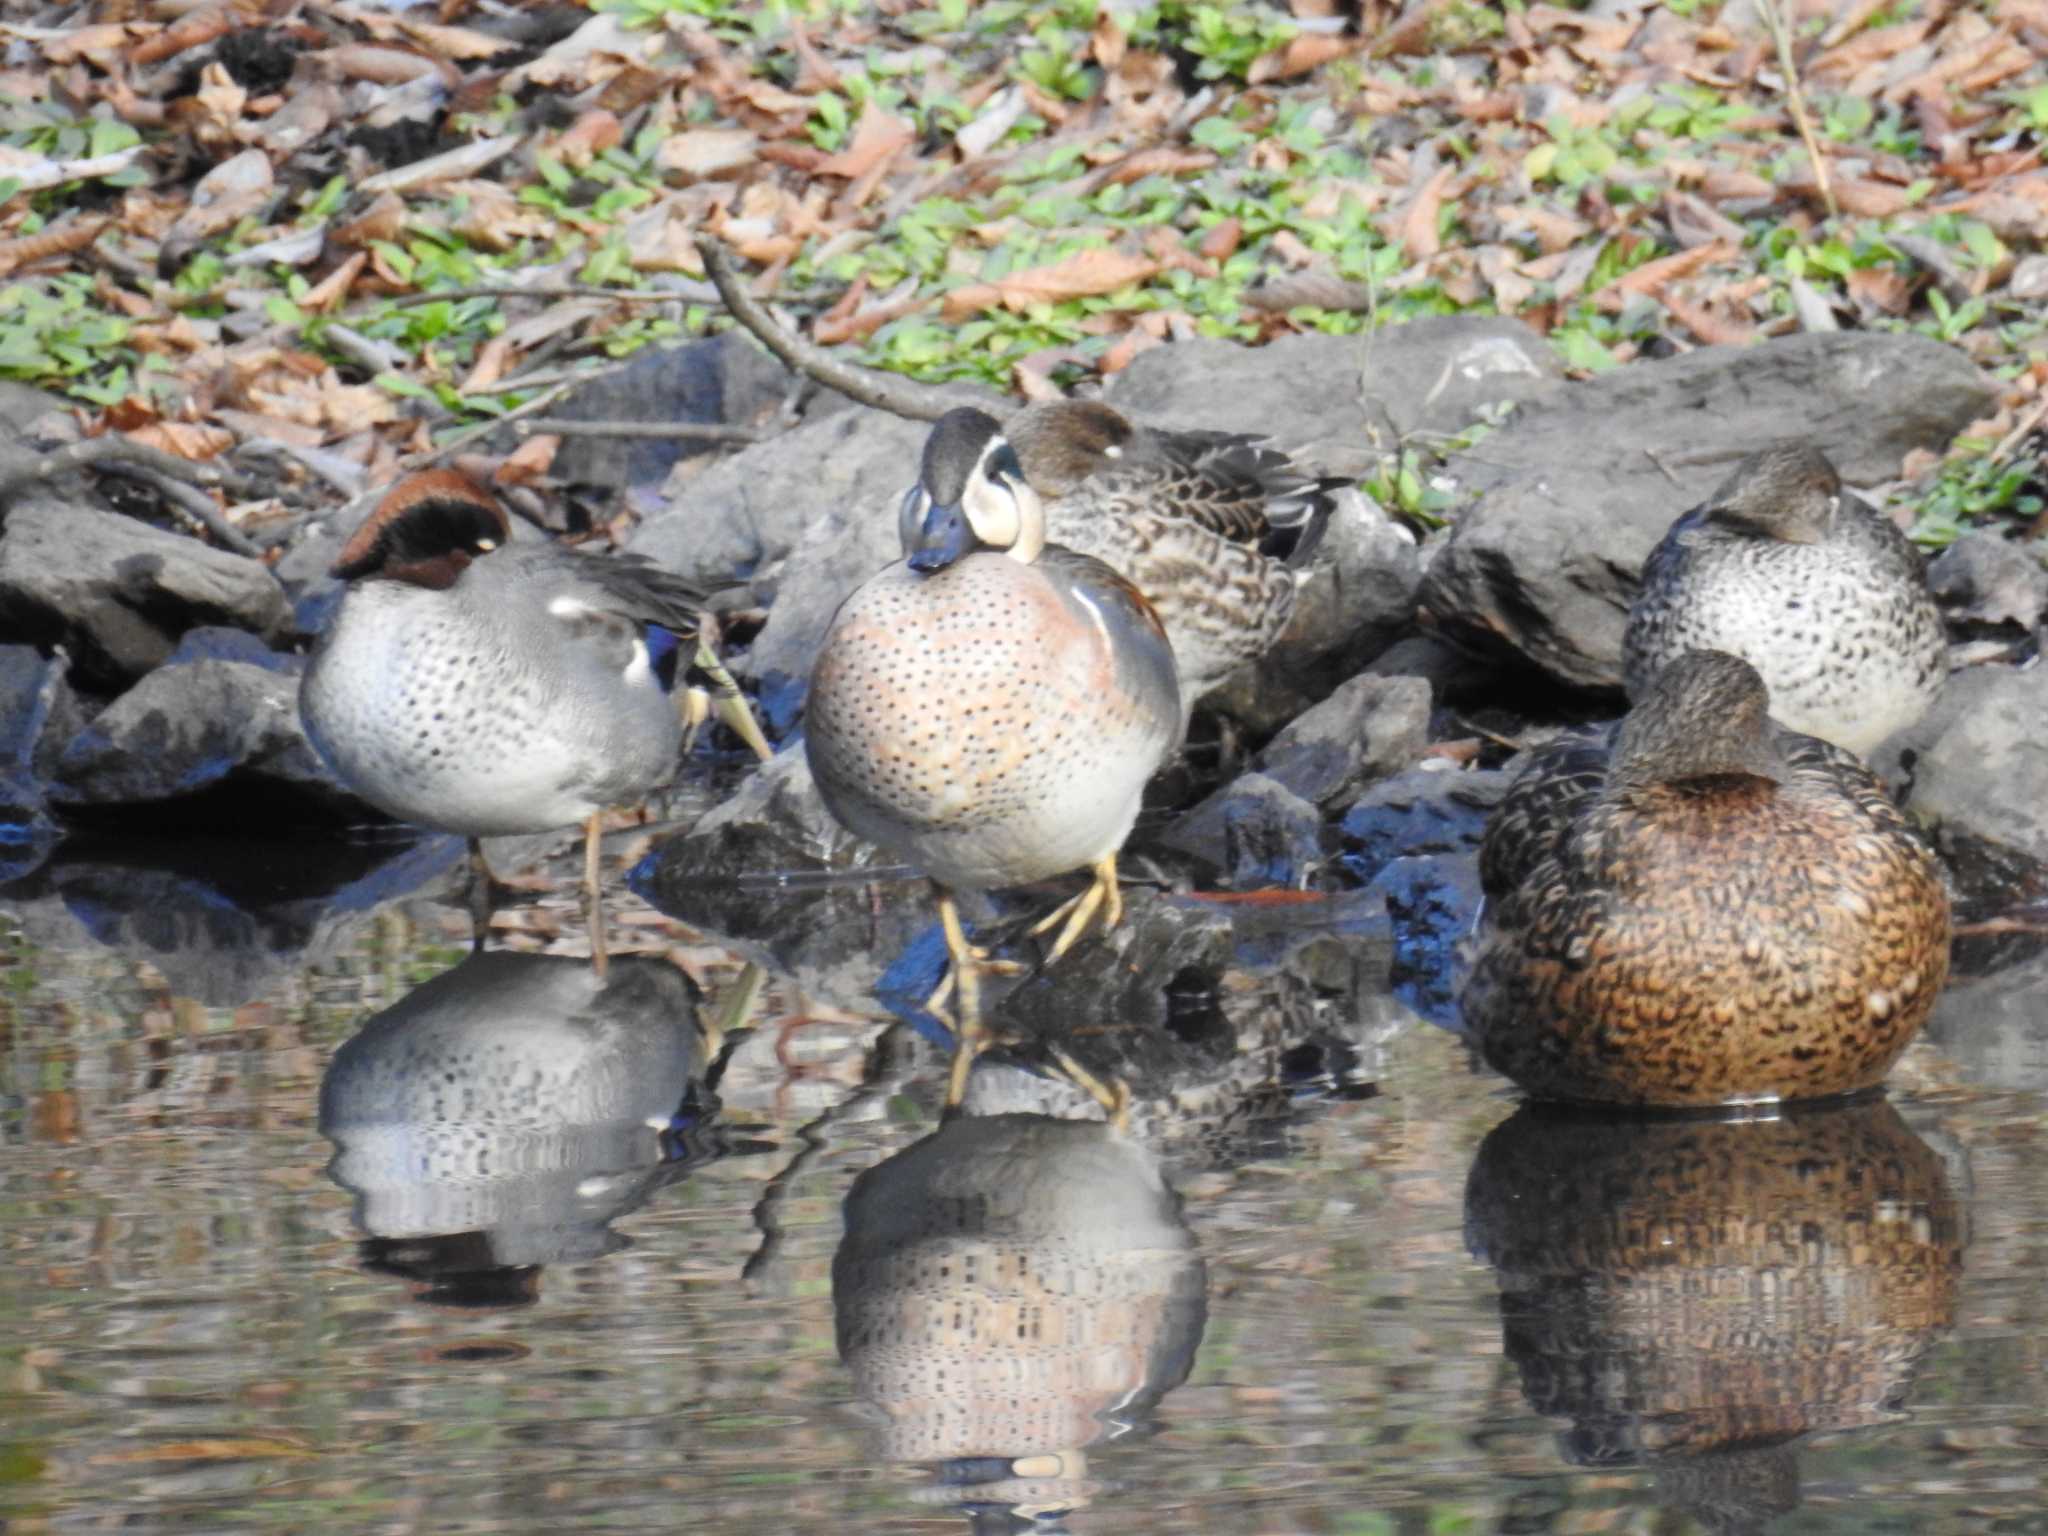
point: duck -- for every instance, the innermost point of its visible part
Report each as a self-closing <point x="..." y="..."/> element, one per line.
<point x="990" y="707"/>
<point x="1702" y="907"/>
<point x="1811" y="586"/>
<point x="1217" y="529"/>
<point x="485" y="688"/>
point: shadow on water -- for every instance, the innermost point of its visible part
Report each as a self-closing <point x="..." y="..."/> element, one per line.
<point x="1696" y="1296"/>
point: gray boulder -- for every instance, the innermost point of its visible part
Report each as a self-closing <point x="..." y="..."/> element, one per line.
<point x="188" y="726"/>
<point x="117" y="594"/>
<point x="806" y="518"/>
<point x="1989" y="581"/>
<point x="727" y="379"/>
<point x="1369" y="728"/>
<point x="1574" y="492"/>
<point x="1977" y="763"/>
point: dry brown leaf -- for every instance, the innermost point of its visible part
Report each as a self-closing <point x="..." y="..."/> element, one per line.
<point x="492" y="360"/>
<point x="459" y="43"/>
<point x="492" y="216"/>
<point x="103" y="45"/>
<point x="1157" y="160"/>
<point x="61" y="241"/>
<point x="1704" y="323"/>
<point x="186" y="439"/>
<point x="529" y="461"/>
<point x="875" y="138"/>
<point x="1106" y="44"/>
<point x="589" y="136"/>
<point x="699" y="154"/>
<point x="1554" y="231"/>
<point x="384" y="219"/>
<point x="1084" y="274"/>
<point x="1882" y="288"/>
<point x="1221" y="242"/>
<point x="1652" y="275"/>
<point x="220" y="99"/>
<point x="225" y="195"/>
<point x="1300" y="55"/>
<point x="1417" y="229"/>
<point x="352" y="407"/>
<point x="383" y="66"/>
<point x="334" y="287"/>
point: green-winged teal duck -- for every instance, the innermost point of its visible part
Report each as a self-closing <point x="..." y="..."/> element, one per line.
<point x="485" y="688"/>
<point x="1817" y="591"/>
<point x="1704" y="909"/>
<point x="990" y="708"/>
<point x="1215" y="528"/>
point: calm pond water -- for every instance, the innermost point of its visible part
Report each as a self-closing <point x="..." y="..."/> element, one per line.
<point x="533" y="1280"/>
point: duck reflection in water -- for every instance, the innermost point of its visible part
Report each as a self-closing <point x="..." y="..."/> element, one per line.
<point x="502" y="1116"/>
<point x="1695" y="1296"/>
<point x="1010" y="1291"/>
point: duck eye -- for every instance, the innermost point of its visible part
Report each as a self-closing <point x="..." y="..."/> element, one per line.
<point x="1003" y="466"/>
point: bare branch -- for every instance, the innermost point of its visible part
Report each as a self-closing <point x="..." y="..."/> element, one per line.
<point x="112" y="449"/>
<point x="195" y="505"/>
<point x="899" y="397"/>
<point x="1774" y="18"/>
<point x="680" y="431"/>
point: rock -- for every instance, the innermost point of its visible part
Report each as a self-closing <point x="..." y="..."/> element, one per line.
<point x="1341" y="402"/>
<point x="1272" y="838"/>
<point x="1986" y="580"/>
<point x="1570" y="499"/>
<point x="189" y="726"/>
<point x="1370" y="727"/>
<point x="726" y="379"/>
<point x="1996" y="1028"/>
<point x="1415" y="839"/>
<point x="117" y="594"/>
<point x="33" y="692"/>
<point x="807" y="518"/>
<point x="1978" y="761"/>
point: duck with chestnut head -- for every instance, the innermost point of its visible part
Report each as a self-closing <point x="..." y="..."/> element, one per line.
<point x="487" y="688"/>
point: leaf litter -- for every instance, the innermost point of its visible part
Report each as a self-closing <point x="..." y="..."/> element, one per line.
<point x="367" y="232"/>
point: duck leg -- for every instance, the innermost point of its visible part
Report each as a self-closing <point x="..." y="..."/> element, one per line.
<point x="965" y="975"/>
<point x="1114" y="1096"/>
<point x="1072" y="917"/>
<point x="593" y="894"/>
<point x="483" y="895"/>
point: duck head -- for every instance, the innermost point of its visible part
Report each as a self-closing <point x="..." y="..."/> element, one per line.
<point x="1705" y="716"/>
<point x="971" y="494"/>
<point x="1790" y="493"/>
<point x="427" y="530"/>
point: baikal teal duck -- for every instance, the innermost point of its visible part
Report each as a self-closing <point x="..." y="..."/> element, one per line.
<point x="1703" y="909"/>
<point x="990" y="708"/>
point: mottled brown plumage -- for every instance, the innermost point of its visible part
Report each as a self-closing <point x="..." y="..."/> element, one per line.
<point x="1709" y="909"/>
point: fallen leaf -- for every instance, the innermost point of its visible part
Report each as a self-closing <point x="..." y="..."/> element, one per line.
<point x="186" y="439"/>
<point x="1084" y="274"/>
<point x="1652" y="275"/>
<point x="876" y="137"/>
<point x="225" y="195"/>
<point x="208" y="1450"/>
<point x="1221" y="242"/>
<point x="1417" y="231"/>
<point x="529" y="461"/>
<point x="1299" y="55"/>
<point x="698" y="154"/>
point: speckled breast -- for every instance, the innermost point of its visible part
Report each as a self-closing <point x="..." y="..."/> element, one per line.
<point x="984" y="722"/>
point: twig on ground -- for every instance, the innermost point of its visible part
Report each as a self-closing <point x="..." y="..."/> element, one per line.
<point x="1781" y="34"/>
<point x="111" y="449"/>
<point x="682" y="431"/>
<point x="367" y="354"/>
<point x="2021" y="428"/>
<point x="900" y="397"/>
<point x="695" y="293"/>
<point x="533" y="407"/>
<point x="193" y="503"/>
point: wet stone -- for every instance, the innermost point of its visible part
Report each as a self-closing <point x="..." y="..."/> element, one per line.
<point x="1977" y="763"/>
<point x="1991" y="582"/>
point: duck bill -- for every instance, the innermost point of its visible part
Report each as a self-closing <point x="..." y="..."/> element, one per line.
<point x="945" y="537"/>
